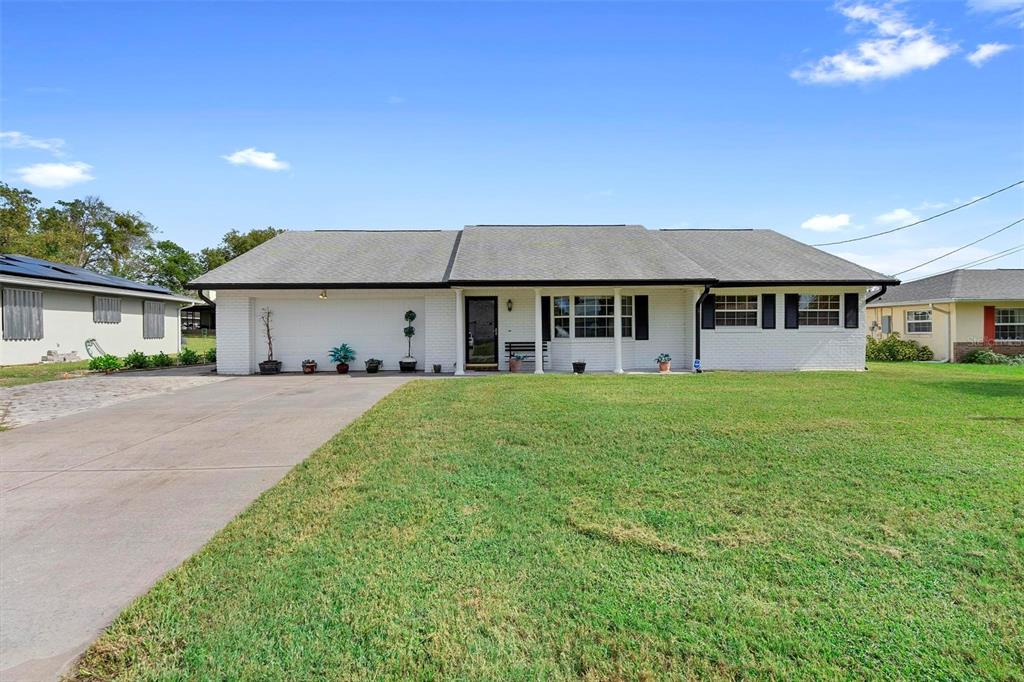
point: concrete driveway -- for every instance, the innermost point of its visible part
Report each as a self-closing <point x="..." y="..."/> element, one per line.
<point x="96" y="506"/>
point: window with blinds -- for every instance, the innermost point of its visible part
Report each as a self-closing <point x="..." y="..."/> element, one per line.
<point x="152" y="320"/>
<point x="106" y="309"/>
<point x="23" y="314"/>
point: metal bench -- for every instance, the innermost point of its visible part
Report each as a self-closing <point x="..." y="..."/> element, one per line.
<point x="528" y="349"/>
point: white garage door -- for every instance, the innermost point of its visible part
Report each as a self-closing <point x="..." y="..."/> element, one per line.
<point x="372" y="326"/>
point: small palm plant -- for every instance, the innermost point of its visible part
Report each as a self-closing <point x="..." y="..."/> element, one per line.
<point x="341" y="356"/>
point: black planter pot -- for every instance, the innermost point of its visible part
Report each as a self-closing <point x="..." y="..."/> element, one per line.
<point x="270" y="367"/>
<point x="437" y="369"/>
<point x="579" y="367"/>
<point x="372" y="367"/>
<point x="407" y="365"/>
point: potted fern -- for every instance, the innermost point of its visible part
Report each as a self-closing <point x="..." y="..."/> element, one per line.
<point x="408" y="363"/>
<point x="270" y="365"/>
<point x="341" y="356"/>
<point x="515" y="363"/>
<point x="664" y="363"/>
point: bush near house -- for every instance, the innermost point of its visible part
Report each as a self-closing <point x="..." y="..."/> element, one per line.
<point x="105" y="363"/>
<point x="136" y="360"/>
<point x="187" y="356"/>
<point x="894" y="349"/>
<point x="162" y="359"/>
<point x="984" y="356"/>
<point x="211" y="354"/>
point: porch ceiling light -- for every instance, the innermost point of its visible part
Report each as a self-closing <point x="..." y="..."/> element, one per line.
<point x="323" y="294"/>
<point x="508" y="304"/>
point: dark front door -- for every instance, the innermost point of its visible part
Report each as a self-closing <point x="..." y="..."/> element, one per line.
<point x="482" y="331"/>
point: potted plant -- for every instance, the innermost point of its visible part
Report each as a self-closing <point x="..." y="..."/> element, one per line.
<point x="373" y="365"/>
<point x="408" y="363"/>
<point x="341" y="356"/>
<point x="270" y="365"/>
<point x="664" y="363"/>
<point x="579" y="366"/>
<point x="515" y="363"/>
<point x="308" y="366"/>
<point x="437" y="368"/>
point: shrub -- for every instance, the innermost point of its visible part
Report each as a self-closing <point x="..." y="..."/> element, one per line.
<point x="136" y="360"/>
<point x="162" y="359"/>
<point x="894" y="349"/>
<point x="105" y="363"/>
<point x="189" y="357"/>
<point x="211" y="354"/>
<point x="985" y="356"/>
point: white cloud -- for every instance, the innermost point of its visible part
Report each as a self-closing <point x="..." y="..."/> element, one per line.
<point x="258" y="159"/>
<point x="1012" y="9"/>
<point x="55" y="175"/>
<point x="894" y="48"/>
<point x="18" y="140"/>
<point x="897" y="215"/>
<point x="897" y="260"/>
<point x="985" y="52"/>
<point x="823" y="222"/>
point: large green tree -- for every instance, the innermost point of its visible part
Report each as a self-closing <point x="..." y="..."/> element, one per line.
<point x="17" y="219"/>
<point x="234" y="244"/>
<point x="172" y="266"/>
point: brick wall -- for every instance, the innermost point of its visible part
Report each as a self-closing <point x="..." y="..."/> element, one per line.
<point x="962" y="348"/>
<point x="234" y="333"/>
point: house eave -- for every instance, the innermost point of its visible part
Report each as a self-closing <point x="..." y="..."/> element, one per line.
<point x="47" y="283"/>
<point x="805" y="282"/>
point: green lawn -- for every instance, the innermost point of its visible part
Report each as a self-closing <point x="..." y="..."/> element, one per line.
<point x="18" y="375"/>
<point x="198" y="343"/>
<point x="808" y="525"/>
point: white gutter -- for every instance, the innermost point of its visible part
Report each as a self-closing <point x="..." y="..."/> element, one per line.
<point x="91" y="289"/>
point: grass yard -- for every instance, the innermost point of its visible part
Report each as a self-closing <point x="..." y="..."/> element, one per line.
<point x="198" y="343"/>
<point x="529" y="527"/>
<point x="19" y="375"/>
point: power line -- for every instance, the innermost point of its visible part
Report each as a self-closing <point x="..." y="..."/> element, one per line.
<point x="981" y="261"/>
<point x="976" y="241"/>
<point x="937" y="215"/>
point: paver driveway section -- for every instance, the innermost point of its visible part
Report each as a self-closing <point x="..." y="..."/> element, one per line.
<point x="96" y="506"/>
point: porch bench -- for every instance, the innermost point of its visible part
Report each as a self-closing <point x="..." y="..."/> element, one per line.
<point x="527" y="349"/>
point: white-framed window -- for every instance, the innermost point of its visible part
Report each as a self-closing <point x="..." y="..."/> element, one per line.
<point x="594" y="317"/>
<point x="106" y="309"/>
<point x="23" y="314"/>
<point x="819" y="310"/>
<point x="1009" y="324"/>
<point x="919" y="322"/>
<point x="627" y="317"/>
<point x="153" y="319"/>
<point x="736" y="311"/>
<point x="562" y="315"/>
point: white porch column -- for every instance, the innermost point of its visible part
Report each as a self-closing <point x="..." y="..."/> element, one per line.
<point x="538" y="333"/>
<point x="618" y="331"/>
<point x="460" y="334"/>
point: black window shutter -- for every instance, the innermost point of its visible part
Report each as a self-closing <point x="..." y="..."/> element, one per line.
<point x="767" y="311"/>
<point x="792" y="311"/>
<point x="707" y="312"/>
<point x="851" y="304"/>
<point x="545" y="312"/>
<point x="640" y="317"/>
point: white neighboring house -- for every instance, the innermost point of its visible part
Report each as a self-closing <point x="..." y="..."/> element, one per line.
<point x="53" y="307"/>
<point x="615" y="296"/>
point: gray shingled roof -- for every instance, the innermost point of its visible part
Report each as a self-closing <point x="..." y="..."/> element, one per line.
<point x="531" y="254"/>
<point x="519" y="253"/>
<point x="765" y="256"/>
<point x="354" y="258"/>
<point x="959" y="285"/>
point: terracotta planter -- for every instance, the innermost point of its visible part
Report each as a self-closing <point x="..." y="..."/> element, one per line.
<point x="342" y="367"/>
<point x="665" y="367"/>
<point x="308" y="367"/>
<point x="515" y="365"/>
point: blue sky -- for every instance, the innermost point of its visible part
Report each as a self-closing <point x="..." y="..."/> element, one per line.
<point x="823" y="121"/>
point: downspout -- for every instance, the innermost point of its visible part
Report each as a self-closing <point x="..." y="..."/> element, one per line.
<point x="877" y="294"/>
<point x="696" y="326"/>
<point x="203" y="296"/>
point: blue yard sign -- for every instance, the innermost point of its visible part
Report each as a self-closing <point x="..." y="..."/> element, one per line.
<point x="696" y="364"/>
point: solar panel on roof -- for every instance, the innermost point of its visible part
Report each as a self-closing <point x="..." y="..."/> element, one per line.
<point x="26" y="266"/>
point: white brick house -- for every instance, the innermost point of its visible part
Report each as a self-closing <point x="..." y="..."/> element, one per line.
<point x="613" y="296"/>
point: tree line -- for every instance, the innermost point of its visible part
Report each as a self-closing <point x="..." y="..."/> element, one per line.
<point x="91" y="234"/>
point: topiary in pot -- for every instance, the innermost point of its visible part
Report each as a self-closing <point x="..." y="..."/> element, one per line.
<point x="408" y="363"/>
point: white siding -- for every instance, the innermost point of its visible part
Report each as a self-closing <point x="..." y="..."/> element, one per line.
<point x="807" y="348"/>
<point x="439" y="332"/>
<point x="234" y="333"/>
<point x="68" y="322"/>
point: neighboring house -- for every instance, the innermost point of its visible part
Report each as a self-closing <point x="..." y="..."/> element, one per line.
<point x="614" y="296"/>
<point x="955" y="312"/>
<point x="53" y="308"/>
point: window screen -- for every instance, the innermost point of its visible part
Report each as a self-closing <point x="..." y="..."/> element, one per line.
<point x="106" y="309"/>
<point x="152" y="320"/>
<point x="23" y="314"/>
